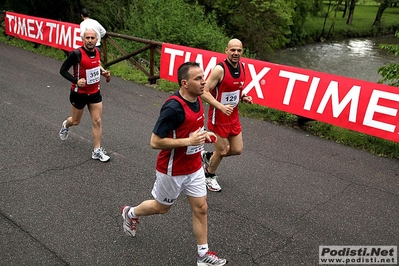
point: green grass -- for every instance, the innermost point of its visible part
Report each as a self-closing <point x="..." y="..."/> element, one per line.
<point x="362" y="23"/>
<point x="39" y="49"/>
<point x="363" y="18"/>
<point x="373" y="145"/>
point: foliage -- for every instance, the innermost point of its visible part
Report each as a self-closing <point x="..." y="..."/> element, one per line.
<point x="361" y="25"/>
<point x="390" y="73"/>
<point x="301" y="12"/>
<point x="267" y="114"/>
<point x="38" y="49"/>
<point x="262" y="25"/>
<point x="113" y="14"/>
<point x="177" y="22"/>
<point x="383" y="6"/>
<point x="374" y="145"/>
<point x="64" y="10"/>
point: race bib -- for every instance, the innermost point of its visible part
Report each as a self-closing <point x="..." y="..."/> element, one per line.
<point x="93" y="75"/>
<point x="194" y="149"/>
<point x="232" y="97"/>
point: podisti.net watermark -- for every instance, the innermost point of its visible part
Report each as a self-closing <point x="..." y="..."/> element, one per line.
<point x="358" y="255"/>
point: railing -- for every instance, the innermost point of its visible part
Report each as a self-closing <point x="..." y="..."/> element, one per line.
<point x="152" y="46"/>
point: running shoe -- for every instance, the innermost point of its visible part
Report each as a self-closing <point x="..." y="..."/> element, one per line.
<point x="210" y="259"/>
<point x="212" y="184"/>
<point x="64" y="131"/>
<point x="129" y="224"/>
<point x="100" y="154"/>
<point x="206" y="156"/>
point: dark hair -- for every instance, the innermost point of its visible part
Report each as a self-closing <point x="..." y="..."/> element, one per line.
<point x="84" y="12"/>
<point x="182" y="71"/>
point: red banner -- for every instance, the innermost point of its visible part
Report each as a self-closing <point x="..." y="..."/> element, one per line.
<point x="358" y="105"/>
<point x="57" y="34"/>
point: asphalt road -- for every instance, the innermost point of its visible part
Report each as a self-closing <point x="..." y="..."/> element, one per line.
<point x="286" y="195"/>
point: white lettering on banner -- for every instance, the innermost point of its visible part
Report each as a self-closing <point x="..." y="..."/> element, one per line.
<point x="331" y="92"/>
<point x="10" y="18"/>
<point x="187" y="57"/>
<point x="30" y="28"/>
<point x="76" y="37"/>
<point x="293" y="77"/>
<point x="65" y="36"/>
<point x="337" y="100"/>
<point x="173" y="53"/>
<point x="255" y="80"/>
<point x="209" y="67"/>
<point x="373" y="107"/>
<point x="39" y="30"/>
<point x="57" y="27"/>
<point x="311" y="93"/>
<point x="51" y="25"/>
<point x="21" y="27"/>
<point x="52" y="33"/>
<point x="17" y="25"/>
<point x="337" y="107"/>
<point x="25" y="26"/>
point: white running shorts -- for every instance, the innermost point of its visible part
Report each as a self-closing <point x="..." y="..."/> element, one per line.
<point x="167" y="188"/>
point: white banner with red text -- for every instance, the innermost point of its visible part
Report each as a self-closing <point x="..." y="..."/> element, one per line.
<point x="358" y="105"/>
<point x="57" y="34"/>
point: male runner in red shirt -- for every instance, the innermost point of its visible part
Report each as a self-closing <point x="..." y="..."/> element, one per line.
<point x="223" y="91"/>
<point x="85" y="90"/>
<point x="179" y="134"/>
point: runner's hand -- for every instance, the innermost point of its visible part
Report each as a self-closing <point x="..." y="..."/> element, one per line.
<point x="227" y="109"/>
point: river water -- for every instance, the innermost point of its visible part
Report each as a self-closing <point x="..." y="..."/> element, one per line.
<point x="357" y="58"/>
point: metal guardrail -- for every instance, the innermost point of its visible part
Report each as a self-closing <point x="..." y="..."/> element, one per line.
<point x="152" y="46"/>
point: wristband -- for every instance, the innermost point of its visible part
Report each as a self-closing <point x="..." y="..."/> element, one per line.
<point x="243" y="96"/>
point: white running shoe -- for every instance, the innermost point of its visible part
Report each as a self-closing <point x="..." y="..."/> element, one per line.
<point x="129" y="224"/>
<point x="206" y="156"/>
<point x="64" y="131"/>
<point x="210" y="259"/>
<point x="100" y="155"/>
<point x="212" y="184"/>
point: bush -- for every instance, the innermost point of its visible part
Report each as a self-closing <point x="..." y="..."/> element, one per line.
<point x="177" y="22"/>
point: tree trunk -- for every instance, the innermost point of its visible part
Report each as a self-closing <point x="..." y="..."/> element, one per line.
<point x="330" y="31"/>
<point x="325" y="20"/>
<point x="384" y="4"/>
<point x="351" y="11"/>
<point x="345" y="8"/>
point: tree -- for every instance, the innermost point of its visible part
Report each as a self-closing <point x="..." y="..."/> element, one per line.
<point x="384" y="4"/>
<point x="390" y="73"/>
<point x="351" y="12"/>
<point x="301" y="12"/>
<point x="326" y="15"/>
<point x="336" y="8"/>
<point x="316" y="7"/>
<point x="175" y="21"/>
<point x="262" y="25"/>
<point x="112" y="14"/>
<point x="64" y="10"/>
<point x="345" y="8"/>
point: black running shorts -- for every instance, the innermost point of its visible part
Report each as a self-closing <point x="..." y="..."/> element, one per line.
<point x="80" y="100"/>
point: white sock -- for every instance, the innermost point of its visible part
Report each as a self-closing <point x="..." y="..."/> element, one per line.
<point x="131" y="214"/>
<point x="202" y="249"/>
